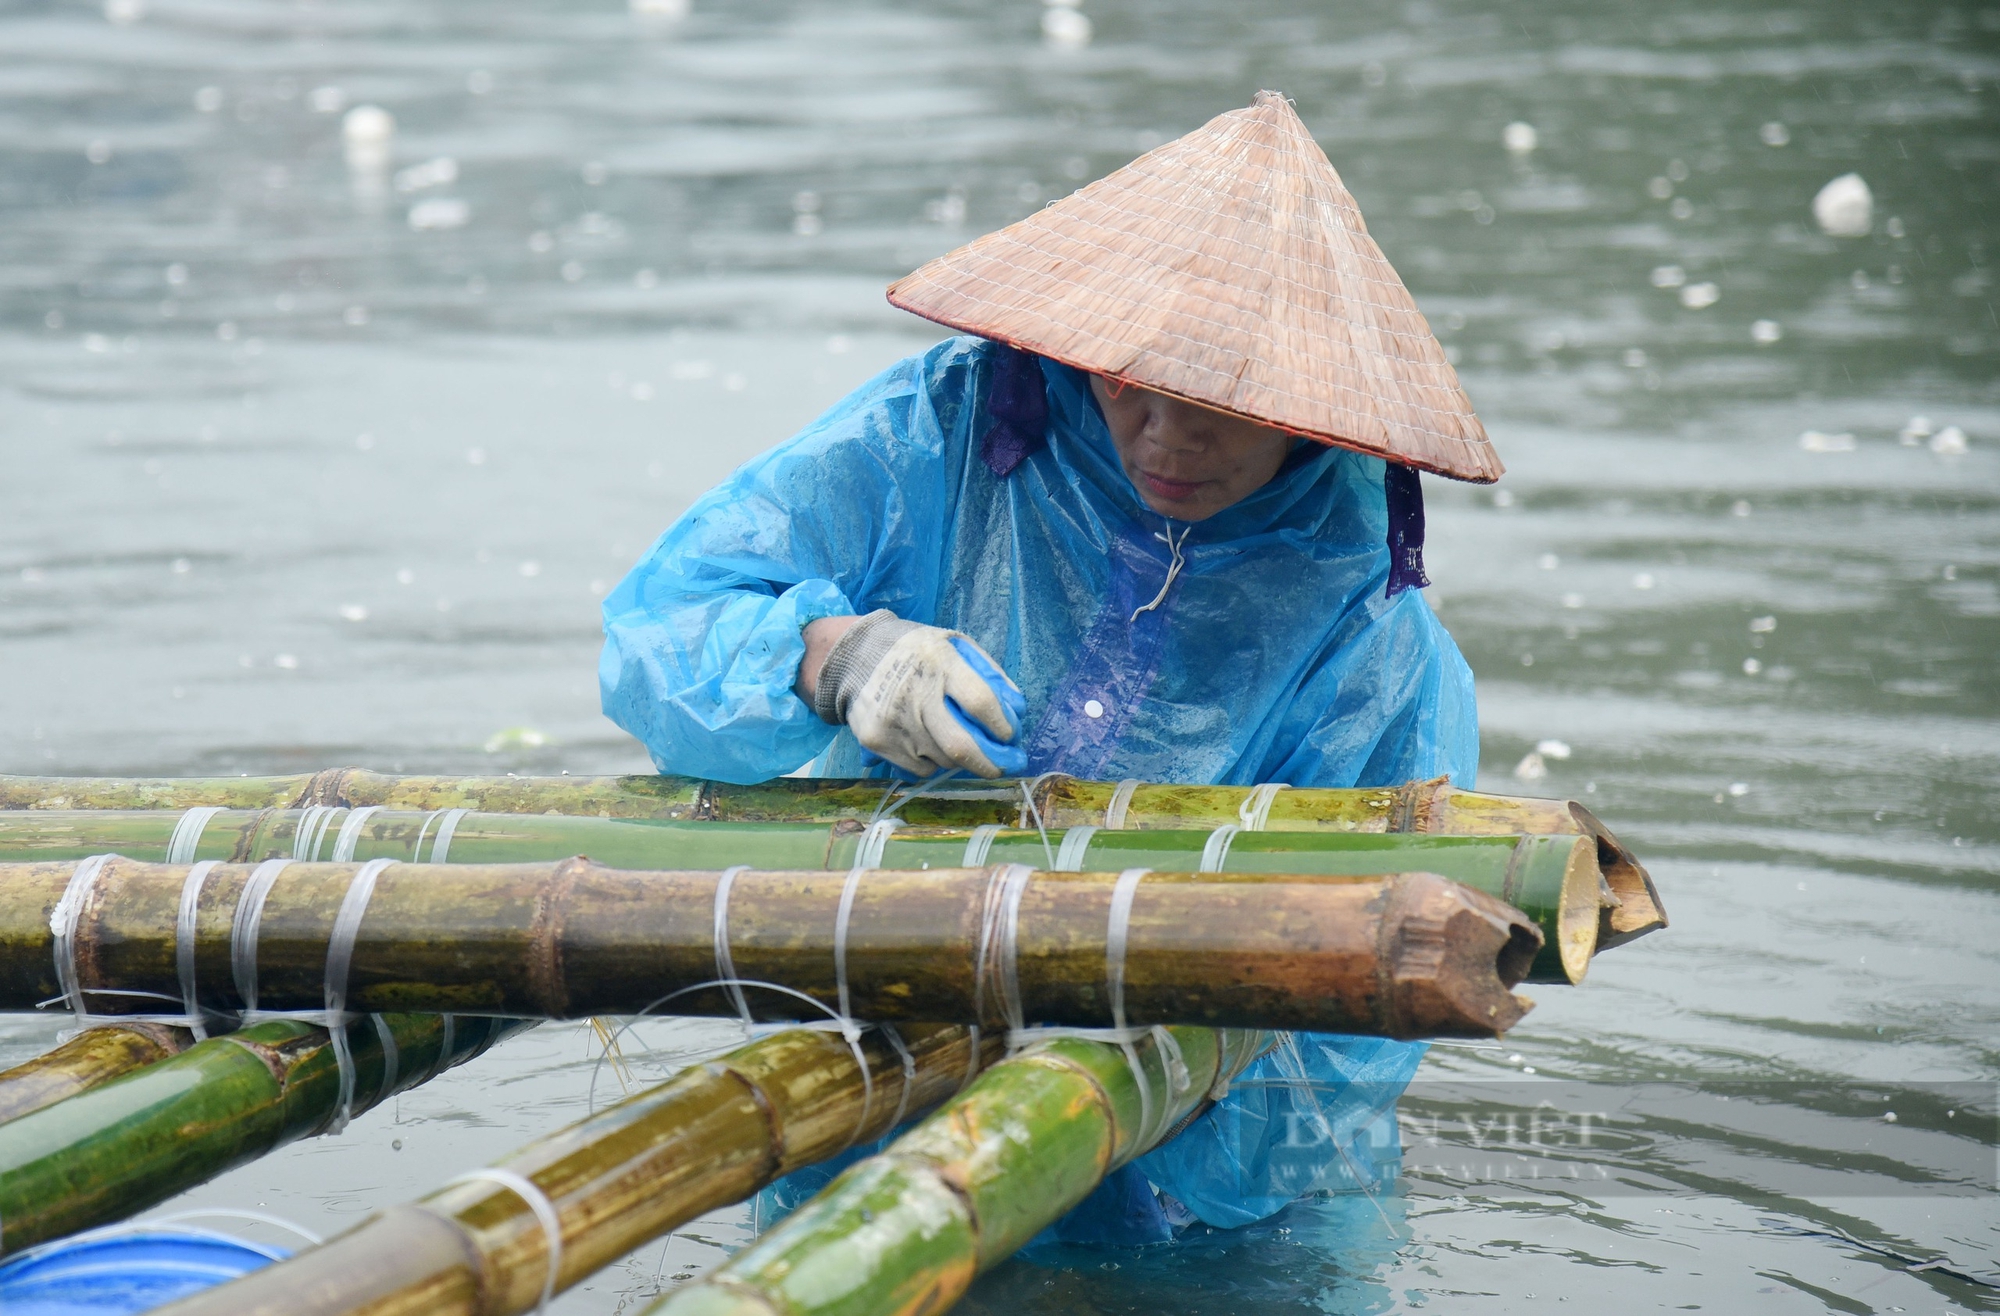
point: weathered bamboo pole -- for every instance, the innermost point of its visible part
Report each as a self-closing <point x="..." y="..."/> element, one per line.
<point x="1557" y="881"/>
<point x="120" y="1147"/>
<point x="712" y="1135"/>
<point x="906" y="1231"/>
<point x="1408" y="955"/>
<point x="1435" y="807"/>
<point x="92" y="1057"/>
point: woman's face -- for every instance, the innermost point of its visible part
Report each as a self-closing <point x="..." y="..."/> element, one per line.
<point x="1188" y="462"/>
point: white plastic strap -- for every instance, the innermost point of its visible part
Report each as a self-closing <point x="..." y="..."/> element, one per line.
<point x="1121" y="803"/>
<point x="350" y="834"/>
<point x="339" y="957"/>
<point x="999" y="944"/>
<point x="868" y="854"/>
<point x="1075" y="843"/>
<point x="392" y="1058"/>
<point x="1255" y="810"/>
<point x="184" y="931"/>
<point x="725" y="963"/>
<point x="1216" y="852"/>
<point x="243" y="931"/>
<point x="1115" y="934"/>
<point x="545" y="1212"/>
<point x="909" y="1072"/>
<point x="313" y="822"/>
<point x="62" y="922"/>
<point x="187" y="833"/>
<point x="980" y="844"/>
<point x="447" y="827"/>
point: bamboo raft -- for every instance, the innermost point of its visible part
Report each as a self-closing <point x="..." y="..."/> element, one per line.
<point x="1173" y="925"/>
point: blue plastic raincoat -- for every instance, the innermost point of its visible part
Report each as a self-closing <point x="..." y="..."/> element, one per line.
<point x="1275" y="656"/>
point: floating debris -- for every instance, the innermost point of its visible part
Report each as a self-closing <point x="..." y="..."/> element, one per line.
<point x="439" y="213"/>
<point x="1532" y="767"/>
<point x="1845" y="208"/>
<point x="1669" y="276"/>
<point x="1700" y="296"/>
<point x="1763" y="625"/>
<point x="431" y="173"/>
<point x="1815" y="441"/>
<point x="515" y="738"/>
<point x="1913" y="434"/>
<point x="1775" y="134"/>
<point x="1519" y="138"/>
<point x="1553" y="749"/>
<point x="1065" y="25"/>
<point x="1949" y="442"/>
<point x="1766" y="332"/>
<point x="1751" y="667"/>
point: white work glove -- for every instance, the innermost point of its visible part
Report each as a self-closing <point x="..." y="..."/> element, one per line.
<point x="922" y="697"/>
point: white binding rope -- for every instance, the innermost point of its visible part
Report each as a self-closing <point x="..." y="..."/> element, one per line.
<point x="999" y="941"/>
<point x="1121" y="803"/>
<point x="1216" y="852"/>
<point x="392" y="1058"/>
<point x="909" y="1071"/>
<point x="1255" y="810"/>
<point x="1031" y="812"/>
<point x="725" y="963"/>
<point x="447" y="828"/>
<point x="349" y="835"/>
<point x="867" y="857"/>
<point x="243" y="930"/>
<point x="545" y="1212"/>
<point x="1075" y="844"/>
<point x="313" y="822"/>
<point x="184" y="931"/>
<point x="1116" y="931"/>
<point x="339" y="958"/>
<point x="187" y="833"/>
<point x="980" y="844"/>
<point x="62" y="922"/>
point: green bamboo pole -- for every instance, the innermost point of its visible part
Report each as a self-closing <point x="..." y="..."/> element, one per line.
<point x="712" y="1135"/>
<point x="906" y="1231"/>
<point x="125" y="1145"/>
<point x="94" y="1056"/>
<point x="1556" y="880"/>
<point x="1407" y="955"/>
<point x="1434" y="807"/>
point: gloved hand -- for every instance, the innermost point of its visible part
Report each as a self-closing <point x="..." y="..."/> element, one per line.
<point x="922" y="697"/>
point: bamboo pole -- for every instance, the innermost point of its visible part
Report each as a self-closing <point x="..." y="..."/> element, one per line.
<point x="92" y="1057"/>
<point x="137" y="1140"/>
<point x="1434" y="807"/>
<point x="906" y="1231"/>
<point x="1556" y="880"/>
<point x="1408" y="955"/>
<point x="712" y="1135"/>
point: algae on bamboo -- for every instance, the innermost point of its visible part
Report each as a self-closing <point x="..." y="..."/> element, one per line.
<point x="1409" y="955"/>
<point x="1558" y="880"/>
<point x="712" y="1135"/>
<point x="118" y="1148"/>
<point x="1434" y="807"/>
<point x="94" y="1056"/>
<point x="908" y="1229"/>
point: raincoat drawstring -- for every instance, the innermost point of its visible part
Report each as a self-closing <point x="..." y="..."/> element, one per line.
<point x="1173" y="568"/>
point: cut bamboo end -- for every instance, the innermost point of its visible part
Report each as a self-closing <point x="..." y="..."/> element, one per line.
<point x="1638" y="909"/>
<point x="93" y="1057"/>
<point x="1448" y="958"/>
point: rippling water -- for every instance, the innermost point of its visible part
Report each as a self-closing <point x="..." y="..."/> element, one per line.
<point x="313" y="460"/>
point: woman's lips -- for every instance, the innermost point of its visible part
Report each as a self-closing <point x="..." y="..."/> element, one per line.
<point x="1172" y="490"/>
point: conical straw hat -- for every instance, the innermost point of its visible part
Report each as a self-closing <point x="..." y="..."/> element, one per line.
<point x="1230" y="268"/>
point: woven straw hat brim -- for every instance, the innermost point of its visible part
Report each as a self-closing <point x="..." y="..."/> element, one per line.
<point x="1230" y="268"/>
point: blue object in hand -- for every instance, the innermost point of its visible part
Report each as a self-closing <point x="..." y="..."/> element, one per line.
<point x="1008" y="756"/>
